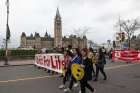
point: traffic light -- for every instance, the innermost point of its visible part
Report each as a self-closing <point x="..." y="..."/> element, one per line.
<point x="122" y="36"/>
<point x="114" y="44"/>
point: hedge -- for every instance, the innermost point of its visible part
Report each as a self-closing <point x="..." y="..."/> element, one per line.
<point x="2" y="53"/>
<point x="19" y="53"/>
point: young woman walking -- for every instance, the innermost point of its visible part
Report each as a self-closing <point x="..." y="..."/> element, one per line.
<point x="88" y="67"/>
<point x="101" y="61"/>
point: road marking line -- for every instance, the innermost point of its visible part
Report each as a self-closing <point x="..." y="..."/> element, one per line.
<point x="116" y="67"/>
<point x="32" y="78"/>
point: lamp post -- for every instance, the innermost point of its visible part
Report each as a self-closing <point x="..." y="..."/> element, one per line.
<point x="7" y="34"/>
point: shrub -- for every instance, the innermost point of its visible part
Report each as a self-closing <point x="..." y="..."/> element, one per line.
<point x="18" y="53"/>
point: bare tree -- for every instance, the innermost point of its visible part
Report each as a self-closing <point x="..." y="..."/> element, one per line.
<point x="129" y="27"/>
<point x="80" y="32"/>
<point x="91" y="43"/>
<point x="3" y="44"/>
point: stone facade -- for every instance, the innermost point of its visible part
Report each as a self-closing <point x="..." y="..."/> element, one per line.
<point x="38" y="42"/>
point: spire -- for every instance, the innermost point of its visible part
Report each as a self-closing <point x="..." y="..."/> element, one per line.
<point x="46" y="34"/>
<point x="58" y="14"/>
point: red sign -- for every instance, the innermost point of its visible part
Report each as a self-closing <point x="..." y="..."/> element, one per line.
<point x="126" y="55"/>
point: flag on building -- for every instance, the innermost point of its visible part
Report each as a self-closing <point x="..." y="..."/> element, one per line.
<point x="8" y="32"/>
<point x="7" y="3"/>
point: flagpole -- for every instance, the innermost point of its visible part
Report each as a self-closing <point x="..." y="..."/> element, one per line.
<point x="6" y="42"/>
<point x="120" y="33"/>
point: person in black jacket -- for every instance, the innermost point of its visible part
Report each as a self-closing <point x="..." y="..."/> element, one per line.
<point x="101" y="61"/>
<point x="88" y="68"/>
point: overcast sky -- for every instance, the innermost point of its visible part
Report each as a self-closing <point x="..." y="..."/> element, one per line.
<point x="100" y="16"/>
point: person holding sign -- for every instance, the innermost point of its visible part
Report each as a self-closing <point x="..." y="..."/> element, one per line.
<point x="87" y="66"/>
<point x="66" y="69"/>
<point x="75" y="60"/>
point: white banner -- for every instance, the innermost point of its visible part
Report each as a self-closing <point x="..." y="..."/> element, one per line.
<point x="53" y="61"/>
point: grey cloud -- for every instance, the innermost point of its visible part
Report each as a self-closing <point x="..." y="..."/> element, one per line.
<point x="37" y="15"/>
<point x="84" y="1"/>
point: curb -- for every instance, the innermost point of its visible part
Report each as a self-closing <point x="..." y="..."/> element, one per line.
<point x="15" y="65"/>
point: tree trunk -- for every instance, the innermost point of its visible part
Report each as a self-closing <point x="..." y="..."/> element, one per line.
<point x="129" y="43"/>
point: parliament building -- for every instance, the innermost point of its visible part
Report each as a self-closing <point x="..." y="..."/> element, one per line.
<point x="58" y="41"/>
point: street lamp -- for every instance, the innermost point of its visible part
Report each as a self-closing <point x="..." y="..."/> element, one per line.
<point x="7" y="34"/>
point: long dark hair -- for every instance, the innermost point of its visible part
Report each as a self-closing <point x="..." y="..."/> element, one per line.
<point x="91" y="49"/>
<point x="69" y="53"/>
<point x="78" y="52"/>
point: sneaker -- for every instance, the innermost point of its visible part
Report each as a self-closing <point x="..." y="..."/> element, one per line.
<point x="67" y="90"/>
<point x="62" y="86"/>
<point x="105" y="78"/>
<point x="95" y="80"/>
<point x="94" y="91"/>
<point x="80" y="91"/>
<point x="75" y="85"/>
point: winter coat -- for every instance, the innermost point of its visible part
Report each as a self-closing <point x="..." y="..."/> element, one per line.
<point x="101" y="61"/>
<point x="88" y="69"/>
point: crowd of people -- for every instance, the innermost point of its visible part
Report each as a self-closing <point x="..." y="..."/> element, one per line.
<point x="88" y="60"/>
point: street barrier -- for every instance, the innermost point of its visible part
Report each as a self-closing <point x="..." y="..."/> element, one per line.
<point x="126" y="55"/>
<point x="53" y="61"/>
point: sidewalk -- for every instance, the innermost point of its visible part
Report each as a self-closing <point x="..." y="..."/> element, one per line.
<point x="17" y="63"/>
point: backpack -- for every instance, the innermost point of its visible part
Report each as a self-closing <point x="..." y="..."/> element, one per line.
<point x="94" y="59"/>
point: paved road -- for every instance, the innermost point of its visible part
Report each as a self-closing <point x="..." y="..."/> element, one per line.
<point x="17" y="62"/>
<point x="122" y="78"/>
